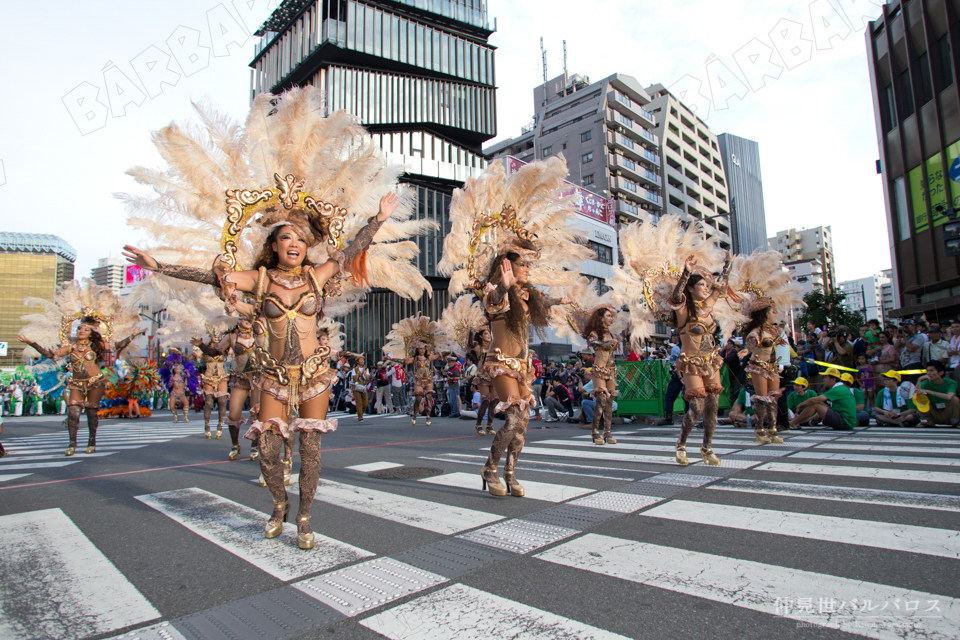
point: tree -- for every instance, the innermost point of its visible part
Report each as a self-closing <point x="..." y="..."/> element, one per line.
<point x="827" y="309"/>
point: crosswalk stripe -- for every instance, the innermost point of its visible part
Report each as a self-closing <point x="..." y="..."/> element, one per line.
<point x="39" y="465"/>
<point x="943" y="543"/>
<point x="459" y="611"/>
<point x="13" y="476"/>
<point x="945" y="443"/>
<point x="422" y="514"/>
<point x="50" y="456"/>
<point x="629" y="447"/>
<point x="864" y="472"/>
<point x="934" y="501"/>
<point x="239" y="530"/>
<point x="533" y="490"/>
<point x="614" y="501"/>
<point x="760" y="587"/>
<point x="374" y="466"/>
<point x="600" y="455"/>
<point x="853" y="457"/>
<point x="558" y="468"/>
<point x="887" y="447"/>
<point x="716" y="441"/>
<point x="89" y="594"/>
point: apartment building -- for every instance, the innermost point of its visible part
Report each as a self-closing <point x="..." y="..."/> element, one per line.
<point x="808" y="244"/>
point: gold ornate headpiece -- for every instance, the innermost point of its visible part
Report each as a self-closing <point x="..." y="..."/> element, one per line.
<point x="104" y="322"/>
<point x="757" y="298"/>
<point x="506" y="220"/>
<point x="286" y="203"/>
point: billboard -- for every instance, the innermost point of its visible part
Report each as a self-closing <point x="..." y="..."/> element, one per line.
<point x="132" y="275"/>
<point x="588" y="204"/>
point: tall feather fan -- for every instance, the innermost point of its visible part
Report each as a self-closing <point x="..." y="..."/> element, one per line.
<point x="183" y="219"/>
<point x="461" y="317"/>
<point x="531" y="196"/>
<point x="758" y="281"/>
<point x="406" y="335"/>
<point x="570" y="321"/>
<point x="71" y="298"/>
<point x="654" y="255"/>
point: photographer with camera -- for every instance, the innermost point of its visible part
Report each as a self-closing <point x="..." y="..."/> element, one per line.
<point x="910" y="343"/>
<point x="839" y="343"/>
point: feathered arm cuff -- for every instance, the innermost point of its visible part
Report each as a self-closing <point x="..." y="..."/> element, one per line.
<point x="46" y="353"/>
<point x="720" y="284"/>
<point x="210" y="349"/>
<point x="677" y="299"/>
<point x="495" y="299"/>
<point x="123" y="344"/>
<point x="193" y="274"/>
<point x="363" y="239"/>
<point x="550" y="301"/>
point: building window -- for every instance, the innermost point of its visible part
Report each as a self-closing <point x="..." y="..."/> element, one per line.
<point x="547" y="151"/>
<point x="564" y="146"/>
<point x="586" y="135"/>
<point x="926" y="81"/>
<point x="587" y="157"/>
<point x="905" y="93"/>
<point x="900" y="204"/>
<point x="588" y="179"/>
<point x="604" y="253"/>
<point x="945" y="70"/>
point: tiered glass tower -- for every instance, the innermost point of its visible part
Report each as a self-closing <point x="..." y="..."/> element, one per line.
<point x="420" y="76"/>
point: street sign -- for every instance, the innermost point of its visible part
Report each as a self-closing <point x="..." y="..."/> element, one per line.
<point x="951" y="238"/>
<point x="3" y="349"/>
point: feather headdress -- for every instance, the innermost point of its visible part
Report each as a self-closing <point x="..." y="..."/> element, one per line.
<point x="654" y="257"/>
<point x="74" y="303"/>
<point x="492" y="214"/>
<point x="461" y="318"/>
<point x="570" y="321"/>
<point x="759" y="281"/>
<point x="228" y="185"/>
<point x="409" y="334"/>
<point x="334" y="332"/>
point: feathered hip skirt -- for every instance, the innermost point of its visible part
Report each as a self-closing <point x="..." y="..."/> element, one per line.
<point x="703" y="365"/>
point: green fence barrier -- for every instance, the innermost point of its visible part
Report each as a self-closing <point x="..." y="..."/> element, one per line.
<point x="643" y="387"/>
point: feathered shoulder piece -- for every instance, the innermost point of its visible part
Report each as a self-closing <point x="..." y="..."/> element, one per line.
<point x="227" y="185"/>
<point x="654" y="256"/>
<point x="411" y="333"/>
<point x="496" y="213"/>
<point x="570" y="320"/>
<point x="460" y="319"/>
<point x="759" y="281"/>
<point x="73" y="303"/>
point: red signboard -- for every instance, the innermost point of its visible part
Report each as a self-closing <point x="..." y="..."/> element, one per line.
<point x="588" y="204"/>
<point x="132" y="274"/>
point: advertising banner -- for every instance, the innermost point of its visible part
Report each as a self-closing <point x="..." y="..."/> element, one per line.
<point x="132" y="274"/>
<point x="588" y="204"/>
<point x="935" y="185"/>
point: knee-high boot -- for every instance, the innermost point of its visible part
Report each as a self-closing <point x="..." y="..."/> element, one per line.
<point x="500" y="443"/>
<point x="207" y="410"/>
<point x="271" y="443"/>
<point x="608" y="419"/>
<point x="597" y="419"/>
<point x="222" y="413"/>
<point x="234" y="427"/>
<point x="695" y="410"/>
<point x="309" y="478"/>
<point x="710" y="408"/>
<point x="514" y="447"/>
<point x="73" y="424"/>
<point x="771" y="431"/>
<point x="93" y="421"/>
<point x="759" y="420"/>
<point x="416" y="409"/>
<point x="484" y="405"/>
<point x="288" y="458"/>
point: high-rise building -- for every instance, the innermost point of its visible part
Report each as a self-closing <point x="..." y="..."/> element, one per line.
<point x="109" y="273"/>
<point x="605" y="133"/>
<point x="808" y="244"/>
<point x="748" y="220"/>
<point x="31" y="265"/>
<point x="695" y="187"/>
<point x="912" y="55"/>
<point x="890" y="298"/>
<point x="866" y="296"/>
<point x="420" y="76"/>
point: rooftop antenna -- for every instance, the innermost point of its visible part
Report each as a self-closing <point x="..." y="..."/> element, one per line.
<point x="543" y="54"/>
<point x="565" y="67"/>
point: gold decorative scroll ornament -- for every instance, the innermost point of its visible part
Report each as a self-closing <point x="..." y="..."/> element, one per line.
<point x="105" y="322"/>
<point x="243" y="204"/>
<point x="506" y="220"/>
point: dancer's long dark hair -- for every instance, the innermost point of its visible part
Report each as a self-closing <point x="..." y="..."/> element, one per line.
<point x="690" y="303"/>
<point x="595" y="323"/>
<point x="757" y="319"/>
<point x="96" y="340"/>
<point x="515" y="317"/>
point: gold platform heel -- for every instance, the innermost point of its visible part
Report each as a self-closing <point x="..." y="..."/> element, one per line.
<point x="774" y="438"/>
<point x="91" y="449"/>
<point x="254" y="453"/>
<point x="761" y="436"/>
<point x="304" y="541"/>
<point x="234" y="452"/>
<point x="611" y="440"/>
<point x="219" y="432"/>
<point x="681" y="456"/>
<point x="71" y="449"/>
<point x="514" y="487"/>
<point x="491" y="482"/>
<point x="709" y="457"/>
<point x="206" y="431"/>
<point x="273" y="530"/>
<point x="263" y="481"/>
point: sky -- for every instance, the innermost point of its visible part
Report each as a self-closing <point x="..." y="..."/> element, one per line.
<point x="66" y="140"/>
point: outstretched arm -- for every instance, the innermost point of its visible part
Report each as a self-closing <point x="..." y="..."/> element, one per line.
<point x="46" y="353"/>
<point x="120" y="346"/>
<point x="720" y="286"/>
<point x="363" y="239"/>
<point x="244" y="280"/>
<point x="678" y="298"/>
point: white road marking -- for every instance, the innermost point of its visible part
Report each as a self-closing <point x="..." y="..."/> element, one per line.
<point x="863" y="472"/>
<point x="607" y="454"/>
<point x="761" y="587"/>
<point x="239" y="530"/>
<point x="853" y="457"/>
<point x="374" y="466"/>
<point x="460" y="612"/>
<point x="739" y="444"/>
<point x="57" y="584"/>
<point x="944" y="543"/>
<point x="931" y="441"/>
<point x="533" y="490"/>
<point x="13" y="476"/>
<point x="912" y="499"/>
<point x="539" y="467"/>
<point x="50" y="456"/>
<point x="619" y="502"/>
<point x="888" y="447"/>
<point x="623" y="446"/>
<point x="38" y="465"/>
<point x="422" y="514"/>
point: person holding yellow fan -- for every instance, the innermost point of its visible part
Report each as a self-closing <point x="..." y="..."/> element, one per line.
<point x="936" y="398"/>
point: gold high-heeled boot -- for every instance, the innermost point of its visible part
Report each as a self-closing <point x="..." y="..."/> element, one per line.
<point x="709" y="457"/>
<point x="274" y="525"/>
<point x="681" y="455"/>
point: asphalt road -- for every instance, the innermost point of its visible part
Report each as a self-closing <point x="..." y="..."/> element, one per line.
<point x="158" y="535"/>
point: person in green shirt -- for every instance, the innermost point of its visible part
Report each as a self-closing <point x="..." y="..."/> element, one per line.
<point x="801" y="392"/>
<point x="863" y="418"/>
<point x="941" y="394"/>
<point x="835" y="407"/>
<point x="742" y="409"/>
<point x="892" y="406"/>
